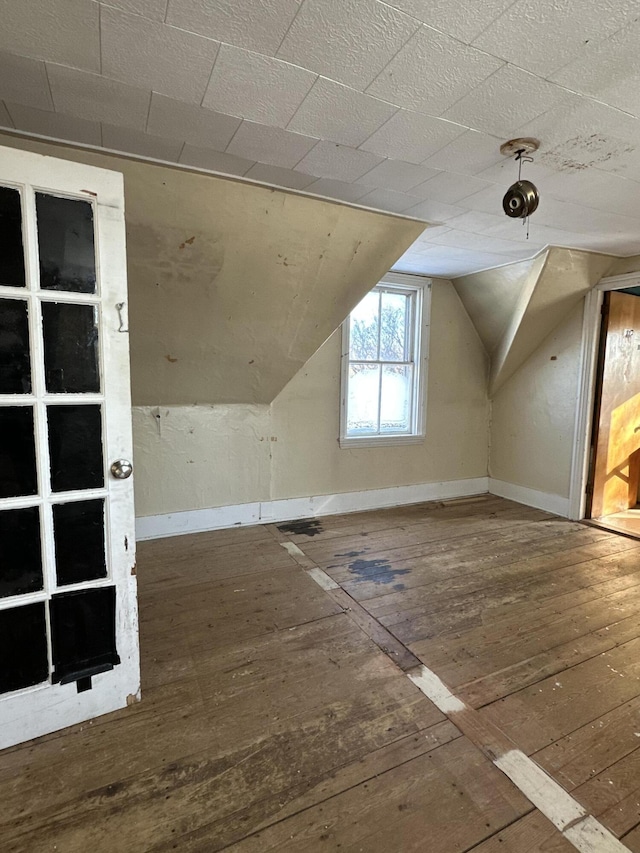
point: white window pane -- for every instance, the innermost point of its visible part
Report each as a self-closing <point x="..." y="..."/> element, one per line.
<point x="395" y="399"/>
<point x="364" y="329"/>
<point x="364" y="395"/>
<point x="393" y="327"/>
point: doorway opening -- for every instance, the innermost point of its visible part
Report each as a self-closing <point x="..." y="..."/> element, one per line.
<point x="613" y="483"/>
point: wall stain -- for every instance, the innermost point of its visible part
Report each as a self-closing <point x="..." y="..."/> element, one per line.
<point x="378" y="571"/>
<point x="170" y="359"/>
<point x="306" y="526"/>
<point x="188" y="242"/>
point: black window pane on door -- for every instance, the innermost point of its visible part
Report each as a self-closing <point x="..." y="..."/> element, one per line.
<point x="83" y="633"/>
<point x="11" y="248"/>
<point x="65" y="244"/>
<point x="15" y="363"/>
<point x="23" y="647"/>
<point x="70" y="348"/>
<point x="78" y="530"/>
<point x="20" y="552"/>
<point x="75" y="447"/>
<point x="17" y="452"/>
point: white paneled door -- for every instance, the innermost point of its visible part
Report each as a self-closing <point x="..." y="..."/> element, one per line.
<point x="68" y="613"/>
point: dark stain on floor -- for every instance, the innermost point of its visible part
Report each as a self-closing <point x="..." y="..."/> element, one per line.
<point x="350" y="554"/>
<point x="378" y="571"/>
<point x="306" y="527"/>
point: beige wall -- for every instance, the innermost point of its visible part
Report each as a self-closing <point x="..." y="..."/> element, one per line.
<point x="203" y="456"/>
<point x="533" y="414"/>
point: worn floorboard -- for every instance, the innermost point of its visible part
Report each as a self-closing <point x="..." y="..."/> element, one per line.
<point x="277" y="715"/>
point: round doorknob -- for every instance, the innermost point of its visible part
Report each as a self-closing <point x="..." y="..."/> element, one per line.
<point x="122" y="469"/>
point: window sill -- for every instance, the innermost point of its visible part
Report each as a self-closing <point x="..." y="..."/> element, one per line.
<point x="379" y="441"/>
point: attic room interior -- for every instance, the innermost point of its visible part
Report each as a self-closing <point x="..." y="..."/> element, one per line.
<point x="319" y="474"/>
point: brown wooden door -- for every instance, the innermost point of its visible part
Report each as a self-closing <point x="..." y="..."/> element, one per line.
<point x="617" y="429"/>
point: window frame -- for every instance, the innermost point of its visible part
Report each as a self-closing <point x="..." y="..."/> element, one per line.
<point x="420" y="287"/>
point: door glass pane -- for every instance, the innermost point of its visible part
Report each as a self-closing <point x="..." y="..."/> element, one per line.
<point x="23" y="647"/>
<point x="70" y="347"/>
<point x="362" y="405"/>
<point x="75" y="447"/>
<point x="15" y="365"/>
<point x="11" y="249"/>
<point x="395" y="399"/>
<point x="393" y="317"/>
<point x="17" y="452"/>
<point x="363" y="328"/>
<point x="20" y="554"/>
<point x="65" y="242"/>
<point x="79" y="536"/>
<point x="83" y="633"/>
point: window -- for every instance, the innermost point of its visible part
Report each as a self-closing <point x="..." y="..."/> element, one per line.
<point x="384" y="364"/>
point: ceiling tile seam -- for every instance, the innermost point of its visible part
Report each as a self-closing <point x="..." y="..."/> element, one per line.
<point x="392" y="160"/>
<point x="146" y="123"/>
<point x="402" y="47"/>
<point x="49" y="89"/>
<point x="166" y="11"/>
<point x="291" y="23"/>
<point x="477" y="86"/>
<point x="492" y="22"/>
<point x="6" y="107"/>
<point x="235" y="133"/>
<point x="601" y="43"/>
<point x="100" y="36"/>
<point x="299" y="107"/>
<point x="213" y="66"/>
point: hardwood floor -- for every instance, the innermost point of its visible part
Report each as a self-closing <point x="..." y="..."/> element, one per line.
<point x="277" y="714"/>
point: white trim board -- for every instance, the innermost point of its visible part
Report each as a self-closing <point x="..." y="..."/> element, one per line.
<point x="531" y="497"/>
<point x="265" y="512"/>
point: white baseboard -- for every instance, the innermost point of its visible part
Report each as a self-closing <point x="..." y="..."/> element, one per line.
<point x="264" y="512"/>
<point x="531" y="497"/>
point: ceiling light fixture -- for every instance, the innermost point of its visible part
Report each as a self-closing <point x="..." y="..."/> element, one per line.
<point x="522" y="198"/>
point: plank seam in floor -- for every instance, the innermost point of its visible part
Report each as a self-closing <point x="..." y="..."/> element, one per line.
<point x="577" y="826"/>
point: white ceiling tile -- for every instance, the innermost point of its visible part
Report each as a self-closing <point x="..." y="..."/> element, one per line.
<point x="255" y="87"/>
<point x="387" y="200"/>
<point x="471" y="152"/>
<point x="434" y="211"/>
<point x="347" y="40"/>
<point x="477" y="222"/>
<point x="505" y="172"/>
<point x="608" y="70"/>
<point x="585" y="134"/>
<point x="397" y="175"/>
<point x="154" y="9"/>
<point x="432" y="72"/>
<point x="136" y="142"/>
<point x="24" y="81"/>
<point x="328" y="160"/>
<point x="149" y="54"/>
<point x="451" y="263"/>
<point x="483" y="243"/>
<point x="5" y="118"/>
<point x="449" y="187"/>
<point x="65" y="31"/>
<point x="411" y="136"/>
<point x="214" y="161"/>
<point x="458" y="18"/>
<point x="336" y="112"/>
<point x="542" y="36"/>
<point x="593" y="188"/>
<point x="270" y="145"/>
<point x="338" y="189"/>
<point x="89" y="96"/>
<point x="255" y="26"/>
<point x="55" y="125"/>
<point x="487" y="200"/>
<point x="280" y="177"/>
<point x="504" y="101"/>
<point x="197" y="126"/>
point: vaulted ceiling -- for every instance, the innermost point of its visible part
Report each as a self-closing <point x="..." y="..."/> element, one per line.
<point x="399" y="106"/>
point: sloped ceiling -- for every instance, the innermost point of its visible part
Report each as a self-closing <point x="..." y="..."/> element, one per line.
<point x="514" y="308"/>
<point x="232" y="286"/>
<point x="398" y="105"/>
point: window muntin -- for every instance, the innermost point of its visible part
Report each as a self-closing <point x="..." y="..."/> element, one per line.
<point x="382" y="376"/>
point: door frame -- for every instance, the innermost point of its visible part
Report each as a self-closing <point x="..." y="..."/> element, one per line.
<point x="591" y="322"/>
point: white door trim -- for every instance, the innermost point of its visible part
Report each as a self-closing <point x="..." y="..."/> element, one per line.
<point x="586" y="387"/>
